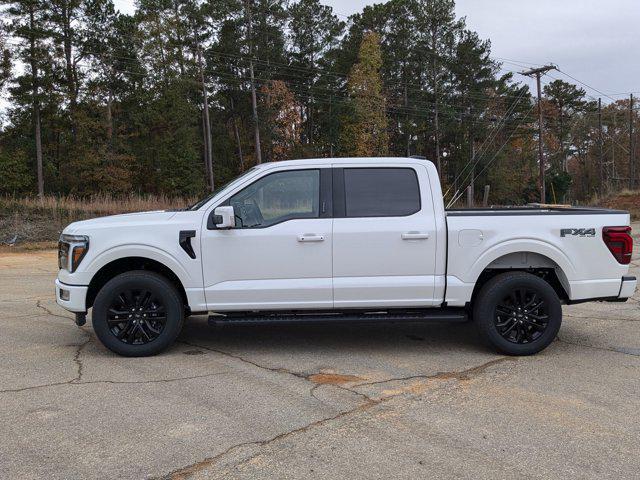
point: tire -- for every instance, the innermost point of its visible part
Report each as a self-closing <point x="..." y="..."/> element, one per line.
<point x="138" y="314"/>
<point x="506" y="315"/>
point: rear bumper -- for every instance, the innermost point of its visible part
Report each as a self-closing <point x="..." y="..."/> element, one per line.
<point x="75" y="296"/>
<point x="628" y="287"/>
<point x="624" y="289"/>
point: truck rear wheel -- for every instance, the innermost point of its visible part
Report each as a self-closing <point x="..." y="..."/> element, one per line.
<point x="138" y="314"/>
<point x="518" y="313"/>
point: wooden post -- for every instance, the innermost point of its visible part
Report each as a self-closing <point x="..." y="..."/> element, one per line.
<point x="538" y="72"/>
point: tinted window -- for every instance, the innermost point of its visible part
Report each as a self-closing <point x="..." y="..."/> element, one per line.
<point x="278" y="197"/>
<point x="381" y="192"/>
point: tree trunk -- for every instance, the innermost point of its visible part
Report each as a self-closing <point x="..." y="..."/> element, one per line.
<point x="36" y="119"/>
<point x="36" y="102"/>
<point x="205" y="150"/>
<point x="436" y="122"/>
<point x="236" y="133"/>
<point x="254" y="101"/>
<point x="563" y="157"/>
<point x="406" y="119"/>
<point x="109" y="118"/>
<point x="207" y="124"/>
<point x="254" y="109"/>
<point x="176" y="17"/>
<point x="67" y="40"/>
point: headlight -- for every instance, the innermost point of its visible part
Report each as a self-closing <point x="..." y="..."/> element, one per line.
<point x="71" y="251"/>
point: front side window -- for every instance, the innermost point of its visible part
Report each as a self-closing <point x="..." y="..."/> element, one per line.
<point x="381" y="192"/>
<point x="278" y="197"/>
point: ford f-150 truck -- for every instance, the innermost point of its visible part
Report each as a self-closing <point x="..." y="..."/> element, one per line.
<point x="341" y="240"/>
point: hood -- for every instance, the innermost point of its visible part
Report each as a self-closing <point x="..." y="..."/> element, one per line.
<point x="127" y="219"/>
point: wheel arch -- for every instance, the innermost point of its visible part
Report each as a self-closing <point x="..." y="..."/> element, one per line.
<point x="127" y="264"/>
<point x="530" y="262"/>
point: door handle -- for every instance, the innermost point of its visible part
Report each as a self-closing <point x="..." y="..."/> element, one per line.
<point x="415" y="236"/>
<point x="310" y="237"/>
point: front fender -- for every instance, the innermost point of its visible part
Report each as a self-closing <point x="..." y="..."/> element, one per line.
<point x="86" y="272"/>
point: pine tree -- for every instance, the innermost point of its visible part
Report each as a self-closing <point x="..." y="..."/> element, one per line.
<point x="5" y="61"/>
<point x="314" y="32"/>
<point x="565" y="100"/>
<point x="29" y="25"/>
<point x="365" y="134"/>
<point x="284" y="120"/>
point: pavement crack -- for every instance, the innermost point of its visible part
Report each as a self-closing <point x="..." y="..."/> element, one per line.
<point x="74" y="382"/>
<point x="609" y="319"/>
<point x="190" y="470"/>
<point x="634" y="352"/>
<point x="461" y="375"/>
<point x="312" y="392"/>
<point x="245" y="360"/>
<point x="277" y="370"/>
<point x="49" y="312"/>
<point x="77" y="360"/>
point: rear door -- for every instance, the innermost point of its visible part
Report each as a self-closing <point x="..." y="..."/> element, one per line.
<point x="384" y="237"/>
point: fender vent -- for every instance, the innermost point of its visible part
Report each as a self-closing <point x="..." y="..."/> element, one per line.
<point x="185" y="241"/>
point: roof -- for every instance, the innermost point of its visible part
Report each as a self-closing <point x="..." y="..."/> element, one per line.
<point x="346" y="160"/>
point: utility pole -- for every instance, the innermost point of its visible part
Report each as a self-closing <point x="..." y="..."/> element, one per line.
<point x="539" y="72"/>
<point x="632" y="160"/>
<point x="600" y="146"/>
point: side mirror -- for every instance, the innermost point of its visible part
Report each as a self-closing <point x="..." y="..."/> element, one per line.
<point x="222" y="217"/>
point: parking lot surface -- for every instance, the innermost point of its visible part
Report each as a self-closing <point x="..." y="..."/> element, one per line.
<point x="344" y="401"/>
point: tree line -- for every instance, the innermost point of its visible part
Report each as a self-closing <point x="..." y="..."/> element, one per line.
<point x="183" y="95"/>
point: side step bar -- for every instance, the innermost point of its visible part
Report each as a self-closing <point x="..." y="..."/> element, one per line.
<point x="422" y="316"/>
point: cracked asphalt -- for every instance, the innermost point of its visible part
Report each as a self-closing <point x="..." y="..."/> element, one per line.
<point x="347" y="401"/>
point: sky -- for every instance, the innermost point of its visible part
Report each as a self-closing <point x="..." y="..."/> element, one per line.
<point x="594" y="41"/>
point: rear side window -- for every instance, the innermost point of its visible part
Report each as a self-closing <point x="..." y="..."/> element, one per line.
<point x="381" y="192"/>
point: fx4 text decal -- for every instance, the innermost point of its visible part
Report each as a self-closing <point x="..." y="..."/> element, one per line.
<point x="578" y="232"/>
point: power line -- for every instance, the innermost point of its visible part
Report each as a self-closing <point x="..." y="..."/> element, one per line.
<point x="586" y="85"/>
<point x="499" y="150"/>
<point x="474" y="160"/>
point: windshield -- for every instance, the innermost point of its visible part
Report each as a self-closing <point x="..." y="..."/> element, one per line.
<point x="218" y="190"/>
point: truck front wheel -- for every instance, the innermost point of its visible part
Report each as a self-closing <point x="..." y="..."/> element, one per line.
<point x="518" y="313"/>
<point x="138" y="314"/>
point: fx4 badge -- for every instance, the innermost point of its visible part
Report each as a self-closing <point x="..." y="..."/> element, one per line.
<point x="579" y="232"/>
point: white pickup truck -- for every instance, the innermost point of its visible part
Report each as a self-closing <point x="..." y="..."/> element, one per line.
<point x="341" y="240"/>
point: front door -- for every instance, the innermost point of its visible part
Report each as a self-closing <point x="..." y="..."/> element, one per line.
<point x="278" y="257"/>
<point x="384" y="237"/>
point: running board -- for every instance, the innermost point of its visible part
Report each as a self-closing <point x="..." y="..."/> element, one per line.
<point x="447" y="316"/>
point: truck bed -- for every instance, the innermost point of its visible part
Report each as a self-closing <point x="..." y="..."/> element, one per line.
<point x="565" y="240"/>
<point x="532" y="210"/>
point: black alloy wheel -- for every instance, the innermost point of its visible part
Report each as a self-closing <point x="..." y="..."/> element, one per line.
<point x="518" y="313"/>
<point x="138" y="313"/>
<point x="521" y="317"/>
<point x="136" y="316"/>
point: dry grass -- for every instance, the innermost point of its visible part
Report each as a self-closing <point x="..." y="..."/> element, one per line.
<point x="42" y="220"/>
<point x="97" y="204"/>
<point x="623" y="200"/>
